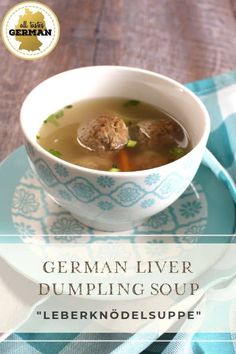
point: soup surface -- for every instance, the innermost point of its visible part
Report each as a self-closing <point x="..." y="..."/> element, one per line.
<point x="114" y="134"/>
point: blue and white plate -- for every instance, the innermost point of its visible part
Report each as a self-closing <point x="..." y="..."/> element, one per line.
<point x="206" y="207"/>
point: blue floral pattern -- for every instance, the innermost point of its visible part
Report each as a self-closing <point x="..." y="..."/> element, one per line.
<point x="147" y="203"/>
<point x="105" y="181"/>
<point x="67" y="239"/>
<point x="24" y="229"/>
<point x="169" y="185"/>
<point x="152" y="179"/>
<point x="51" y="219"/>
<point x="190" y="209"/>
<point x="45" y="174"/>
<point x="195" y="229"/>
<point x="128" y="194"/>
<point x="61" y="170"/>
<point x="65" y="195"/>
<point x="83" y="190"/>
<point x="25" y="202"/>
<point x="66" y="226"/>
<point x="158" y="220"/>
<point x="105" y="206"/>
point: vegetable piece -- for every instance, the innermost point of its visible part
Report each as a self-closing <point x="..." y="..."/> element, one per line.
<point x="69" y="106"/>
<point x="37" y="136"/>
<point x="54" y="117"/>
<point x="51" y="119"/>
<point x="55" y="152"/>
<point x="131" y="103"/>
<point x="176" y="151"/>
<point x="114" y="169"/>
<point x="123" y="159"/>
<point x="59" y="114"/>
<point x="131" y="143"/>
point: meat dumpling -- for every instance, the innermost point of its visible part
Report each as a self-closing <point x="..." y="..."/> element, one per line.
<point x="153" y="132"/>
<point x="107" y="132"/>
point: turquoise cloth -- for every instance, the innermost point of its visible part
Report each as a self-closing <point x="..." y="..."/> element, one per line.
<point x="219" y="96"/>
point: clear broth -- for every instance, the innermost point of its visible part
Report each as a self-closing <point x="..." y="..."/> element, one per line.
<point x="58" y="135"/>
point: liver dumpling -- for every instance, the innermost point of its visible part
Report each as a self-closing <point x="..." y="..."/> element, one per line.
<point x="107" y="132"/>
<point x="153" y="132"/>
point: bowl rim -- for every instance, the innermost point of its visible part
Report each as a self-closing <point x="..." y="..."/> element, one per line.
<point x="69" y="165"/>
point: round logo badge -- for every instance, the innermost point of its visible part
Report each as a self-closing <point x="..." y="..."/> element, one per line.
<point x="30" y="30"/>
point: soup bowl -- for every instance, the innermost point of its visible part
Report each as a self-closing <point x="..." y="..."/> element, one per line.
<point x="114" y="201"/>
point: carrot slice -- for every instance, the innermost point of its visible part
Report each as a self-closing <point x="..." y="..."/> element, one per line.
<point x="123" y="161"/>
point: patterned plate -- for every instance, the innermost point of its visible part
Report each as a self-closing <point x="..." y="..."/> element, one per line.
<point x="205" y="208"/>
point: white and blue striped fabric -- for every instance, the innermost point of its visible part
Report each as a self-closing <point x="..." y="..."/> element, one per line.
<point x="219" y="95"/>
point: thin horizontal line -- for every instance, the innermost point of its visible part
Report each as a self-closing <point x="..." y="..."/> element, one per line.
<point x="121" y="340"/>
<point x="114" y="235"/>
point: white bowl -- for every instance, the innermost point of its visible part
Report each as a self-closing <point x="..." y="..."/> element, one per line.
<point x="106" y="200"/>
